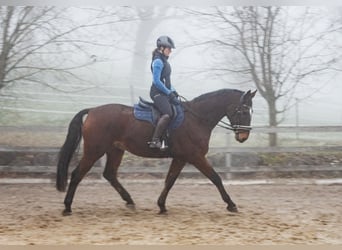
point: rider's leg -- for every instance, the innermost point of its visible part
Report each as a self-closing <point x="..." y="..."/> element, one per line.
<point x="162" y="104"/>
<point x="159" y="130"/>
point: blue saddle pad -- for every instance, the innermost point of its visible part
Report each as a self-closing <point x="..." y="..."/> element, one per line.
<point x="149" y="113"/>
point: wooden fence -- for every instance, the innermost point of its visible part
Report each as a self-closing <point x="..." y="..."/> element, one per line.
<point x="335" y="146"/>
<point x="229" y="149"/>
<point x="227" y="169"/>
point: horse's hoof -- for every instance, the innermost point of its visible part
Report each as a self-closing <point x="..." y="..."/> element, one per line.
<point x="130" y="206"/>
<point x="163" y="211"/>
<point x="66" y="212"/>
<point x="232" y="209"/>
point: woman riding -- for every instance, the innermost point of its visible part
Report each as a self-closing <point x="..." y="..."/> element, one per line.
<point x="162" y="92"/>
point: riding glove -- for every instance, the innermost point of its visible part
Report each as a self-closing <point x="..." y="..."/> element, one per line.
<point x="173" y="97"/>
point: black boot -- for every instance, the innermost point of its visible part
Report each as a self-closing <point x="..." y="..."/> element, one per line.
<point x="158" y="131"/>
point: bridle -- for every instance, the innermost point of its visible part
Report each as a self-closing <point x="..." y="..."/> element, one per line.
<point x="225" y="125"/>
<point x="238" y="112"/>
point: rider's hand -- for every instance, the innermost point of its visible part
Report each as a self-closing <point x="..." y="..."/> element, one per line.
<point x="173" y="97"/>
<point x="175" y="92"/>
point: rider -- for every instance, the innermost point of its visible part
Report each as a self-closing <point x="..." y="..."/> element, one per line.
<point x="162" y="92"/>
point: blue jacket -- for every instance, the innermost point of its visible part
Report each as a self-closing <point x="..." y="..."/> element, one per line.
<point x="161" y="72"/>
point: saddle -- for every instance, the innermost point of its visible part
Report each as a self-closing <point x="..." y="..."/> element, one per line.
<point x="146" y="111"/>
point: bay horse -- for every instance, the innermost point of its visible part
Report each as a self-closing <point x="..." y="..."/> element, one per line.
<point x="112" y="129"/>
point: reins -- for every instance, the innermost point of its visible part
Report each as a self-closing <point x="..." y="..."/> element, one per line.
<point x="233" y="127"/>
<point x="224" y="124"/>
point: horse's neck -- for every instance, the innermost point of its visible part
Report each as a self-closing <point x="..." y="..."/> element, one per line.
<point x="213" y="109"/>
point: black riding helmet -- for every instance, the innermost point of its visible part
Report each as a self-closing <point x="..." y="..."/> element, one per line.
<point x="166" y="42"/>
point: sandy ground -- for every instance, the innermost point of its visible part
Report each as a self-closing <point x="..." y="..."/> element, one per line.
<point x="269" y="214"/>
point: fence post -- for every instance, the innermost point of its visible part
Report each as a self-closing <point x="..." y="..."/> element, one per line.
<point x="228" y="157"/>
<point x="131" y="92"/>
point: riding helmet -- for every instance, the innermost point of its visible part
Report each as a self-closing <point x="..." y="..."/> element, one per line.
<point x="165" y="41"/>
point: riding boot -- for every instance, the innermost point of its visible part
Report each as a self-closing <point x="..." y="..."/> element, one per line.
<point x="162" y="124"/>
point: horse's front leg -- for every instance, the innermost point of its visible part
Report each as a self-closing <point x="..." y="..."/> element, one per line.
<point x="203" y="165"/>
<point x="174" y="171"/>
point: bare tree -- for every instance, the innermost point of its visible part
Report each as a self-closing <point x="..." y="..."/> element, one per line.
<point x="37" y="43"/>
<point x="276" y="48"/>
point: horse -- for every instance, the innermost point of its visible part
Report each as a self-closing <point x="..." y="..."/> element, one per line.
<point x="111" y="129"/>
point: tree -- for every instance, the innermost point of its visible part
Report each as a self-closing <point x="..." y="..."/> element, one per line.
<point x="276" y="48"/>
<point x="37" y="43"/>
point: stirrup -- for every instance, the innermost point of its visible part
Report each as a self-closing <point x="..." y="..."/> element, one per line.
<point x="155" y="143"/>
<point x="164" y="146"/>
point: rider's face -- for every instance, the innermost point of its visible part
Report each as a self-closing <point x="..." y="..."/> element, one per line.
<point x="167" y="51"/>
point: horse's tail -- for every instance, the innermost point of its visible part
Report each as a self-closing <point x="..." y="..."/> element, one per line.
<point x="68" y="149"/>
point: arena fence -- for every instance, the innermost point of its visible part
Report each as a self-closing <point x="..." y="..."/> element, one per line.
<point x="23" y="161"/>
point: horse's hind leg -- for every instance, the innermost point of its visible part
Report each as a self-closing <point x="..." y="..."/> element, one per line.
<point x="114" y="157"/>
<point x="205" y="168"/>
<point x="174" y="171"/>
<point x="76" y="176"/>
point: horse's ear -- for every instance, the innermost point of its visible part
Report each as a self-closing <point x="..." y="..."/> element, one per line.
<point x="244" y="96"/>
<point x="253" y="93"/>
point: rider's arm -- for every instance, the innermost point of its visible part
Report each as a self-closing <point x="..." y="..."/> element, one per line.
<point x="157" y="67"/>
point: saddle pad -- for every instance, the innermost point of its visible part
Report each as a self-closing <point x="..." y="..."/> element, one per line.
<point x="145" y="113"/>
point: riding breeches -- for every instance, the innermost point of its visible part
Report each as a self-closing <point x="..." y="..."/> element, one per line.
<point x="162" y="103"/>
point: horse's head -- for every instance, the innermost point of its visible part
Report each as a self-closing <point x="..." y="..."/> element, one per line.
<point x="240" y="117"/>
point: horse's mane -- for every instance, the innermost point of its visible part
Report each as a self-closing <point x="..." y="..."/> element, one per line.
<point x="214" y="94"/>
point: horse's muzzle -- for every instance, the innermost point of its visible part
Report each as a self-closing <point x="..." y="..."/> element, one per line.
<point x="241" y="136"/>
